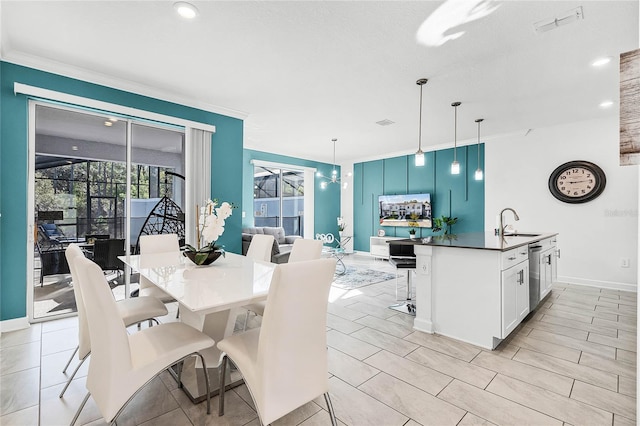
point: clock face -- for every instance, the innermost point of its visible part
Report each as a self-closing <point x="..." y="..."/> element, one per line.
<point x="577" y="182"/>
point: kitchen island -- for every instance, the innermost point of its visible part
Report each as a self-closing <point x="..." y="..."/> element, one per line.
<point x="474" y="287"/>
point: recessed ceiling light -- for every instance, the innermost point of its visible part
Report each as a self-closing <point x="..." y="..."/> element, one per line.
<point x="74" y="148"/>
<point x="113" y="119"/>
<point x="108" y="123"/>
<point x="186" y="10"/>
<point x="601" y="61"/>
<point x="606" y="104"/>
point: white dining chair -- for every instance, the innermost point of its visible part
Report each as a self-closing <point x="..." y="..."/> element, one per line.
<point x="122" y="364"/>
<point x="305" y="249"/>
<point x="152" y="244"/>
<point x="302" y="250"/>
<point x="261" y="247"/>
<point x="284" y="362"/>
<point x="131" y="311"/>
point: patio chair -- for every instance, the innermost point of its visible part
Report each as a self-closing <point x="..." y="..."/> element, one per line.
<point x="106" y="252"/>
<point x="52" y="261"/>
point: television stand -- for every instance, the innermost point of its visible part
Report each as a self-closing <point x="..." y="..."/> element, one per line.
<point x="379" y="248"/>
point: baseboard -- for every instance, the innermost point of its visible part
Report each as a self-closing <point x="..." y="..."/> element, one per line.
<point x="14" y="324"/>
<point x="423" y="325"/>
<point x="601" y="284"/>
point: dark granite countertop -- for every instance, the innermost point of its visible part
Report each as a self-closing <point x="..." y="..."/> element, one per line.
<point x="479" y="240"/>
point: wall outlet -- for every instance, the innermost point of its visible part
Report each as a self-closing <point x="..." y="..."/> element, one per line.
<point x="244" y="214"/>
<point x="624" y="262"/>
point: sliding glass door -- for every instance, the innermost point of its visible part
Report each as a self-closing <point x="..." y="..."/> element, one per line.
<point x="84" y="193"/>
<point x="278" y="198"/>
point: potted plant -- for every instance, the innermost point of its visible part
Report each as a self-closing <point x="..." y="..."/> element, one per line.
<point x="209" y="225"/>
<point x="341" y="226"/>
<point x="443" y="223"/>
<point x="413" y="224"/>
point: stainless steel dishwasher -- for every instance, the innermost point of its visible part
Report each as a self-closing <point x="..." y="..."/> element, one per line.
<point x="535" y="249"/>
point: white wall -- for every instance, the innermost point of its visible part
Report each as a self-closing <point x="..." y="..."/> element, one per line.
<point x="346" y="201"/>
<point x="593" y="236"/>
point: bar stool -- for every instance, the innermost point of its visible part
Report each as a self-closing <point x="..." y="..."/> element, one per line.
<point x="402" y="257"/>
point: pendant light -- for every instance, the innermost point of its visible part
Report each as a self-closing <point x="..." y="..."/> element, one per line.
<point x="478" y="174"/>
<point x="419" y="157"/>
<point x="334" y="173"/>
<point x="455" y="166"/>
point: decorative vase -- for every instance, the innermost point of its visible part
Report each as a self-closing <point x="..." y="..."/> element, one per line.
<point x="412" y="236"/>
<point x="200" y="260"/>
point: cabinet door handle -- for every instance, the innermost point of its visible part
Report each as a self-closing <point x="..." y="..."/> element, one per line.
<point x="549" y="260"/>
<point x="558" y="253"/>
<point x="521" y="276"/>
<point x="512" y="258"/>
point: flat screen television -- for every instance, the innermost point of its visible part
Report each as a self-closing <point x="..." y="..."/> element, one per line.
<point x="405" y="210"/>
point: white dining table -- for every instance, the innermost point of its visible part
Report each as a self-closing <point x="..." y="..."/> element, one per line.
<point x="208" y="297"/>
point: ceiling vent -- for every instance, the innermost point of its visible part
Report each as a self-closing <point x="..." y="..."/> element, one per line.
<point x="572" y="15"/>
<point x="385" y="122"/>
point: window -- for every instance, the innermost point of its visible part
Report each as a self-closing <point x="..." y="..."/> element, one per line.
<point x="278" y="198"/>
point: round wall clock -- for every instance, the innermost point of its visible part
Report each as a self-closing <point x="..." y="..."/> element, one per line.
<point x="577" y="182"/>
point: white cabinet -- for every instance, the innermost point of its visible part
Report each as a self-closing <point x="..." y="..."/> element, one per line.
<point x="378" y="246"/>
<point x="548" y="265"/>
<point x="515" y="296"/>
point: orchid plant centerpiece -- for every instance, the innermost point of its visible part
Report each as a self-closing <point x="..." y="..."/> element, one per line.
<point x="341" y="224"/>
<point x="210" y="226"/>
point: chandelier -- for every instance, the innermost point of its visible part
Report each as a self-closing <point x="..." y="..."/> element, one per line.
<point x="334" y="178"/>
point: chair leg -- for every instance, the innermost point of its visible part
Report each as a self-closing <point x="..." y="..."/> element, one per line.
<point x="206" y="380"/>
<point x="397" y="284"/>
<point x="73" y="375"/>
<point x="69" y="362"/>
<point x="179" y="366"/>
<point x="332" y="414"/>
<point x="84" y="401"/>
<point x="246" y="320"/>
<point x="223" y="370"/>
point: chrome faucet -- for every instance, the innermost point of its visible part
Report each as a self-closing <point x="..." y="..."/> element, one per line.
<point x="501" y="229"/>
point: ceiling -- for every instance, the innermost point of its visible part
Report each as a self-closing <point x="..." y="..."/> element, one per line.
<point x="305" y="72"/>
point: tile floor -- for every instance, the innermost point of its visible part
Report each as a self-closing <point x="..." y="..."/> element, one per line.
<point x="572" y="362"/>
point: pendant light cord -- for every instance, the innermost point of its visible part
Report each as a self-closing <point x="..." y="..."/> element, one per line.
<point x="455" y="106"/>
<point x="334" y="154"/>
<point x="455" y="132"/>
<point x="478" y="121"/>
<point x="420" y="123"/>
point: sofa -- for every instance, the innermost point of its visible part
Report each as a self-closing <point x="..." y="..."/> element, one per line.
<point x="282" y="243"/>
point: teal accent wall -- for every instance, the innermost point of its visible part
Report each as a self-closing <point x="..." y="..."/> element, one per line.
<point x="327" y="201"/>
<point x="459" y="196"/>
<point x="226" y="176"/>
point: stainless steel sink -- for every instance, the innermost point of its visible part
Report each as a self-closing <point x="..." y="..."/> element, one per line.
<point x="519" y="234"/>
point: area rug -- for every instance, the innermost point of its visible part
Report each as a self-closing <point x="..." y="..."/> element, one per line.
<point x="357" y="277"/>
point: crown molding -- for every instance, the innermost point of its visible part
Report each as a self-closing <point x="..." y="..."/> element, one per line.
<point x="82" y="74"/>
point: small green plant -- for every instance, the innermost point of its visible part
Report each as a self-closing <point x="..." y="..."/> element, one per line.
<point x="443" y="223"/>
<point x="413" y="223"/>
